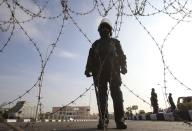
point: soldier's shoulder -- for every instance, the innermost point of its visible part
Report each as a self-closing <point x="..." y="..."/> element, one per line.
<point x="95" y="43"/>
<point x="115" y="40"/>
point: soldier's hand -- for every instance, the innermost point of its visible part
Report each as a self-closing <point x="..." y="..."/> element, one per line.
<point x="87" y="73"/>
<point x="123" y="70"/>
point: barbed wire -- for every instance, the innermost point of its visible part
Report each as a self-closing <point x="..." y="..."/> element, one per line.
<point x="73" y="101"/>
<point x="162" y="45"/>
<point x="119" y="5"/>
<point x="174" y="13"/>
<point x="12" y="19"/>
<point x="27" y="11"/>
<point x="43" y="62"/>
<point x="33" y="15"/>
<point x="70" y="17"/>
<point x="8" y="40"/>
<point x="84" y="13"/>
<point x="118" y="23"/>
<point x="159" y="48"/>
<point x="98" y="9"/>
<point x="147" y="14"/>
<point x="20" y="96"/>
<point x="32" y="41"/>
<point x="132" y="92"/>
<point x="2" y="2"/>
<point x="181" y="83"/>
<point x="78" y="27"/>
<point x="163" y="10"/>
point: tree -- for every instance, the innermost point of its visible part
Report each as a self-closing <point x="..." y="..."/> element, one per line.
<point x="129" y="111"/>
<point x="134" y="107"/>
<point x="141" y="112"/>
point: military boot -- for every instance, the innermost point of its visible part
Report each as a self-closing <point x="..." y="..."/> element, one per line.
<point x="102" y="125"/>
<point x="121" y="124"/>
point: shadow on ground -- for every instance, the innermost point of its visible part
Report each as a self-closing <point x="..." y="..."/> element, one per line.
<point x="79" y="129"/>
<point x="82" y="129"/>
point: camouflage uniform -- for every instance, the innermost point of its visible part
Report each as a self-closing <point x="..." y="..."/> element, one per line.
<point x="105" y="61"/>
<point x="171" y="102"/>
<point x="154" y="101"/>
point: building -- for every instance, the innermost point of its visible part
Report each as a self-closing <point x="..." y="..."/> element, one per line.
<point x="23" y="110"/>
<point x="3" y="110"/>
<point x="71" y="112"/>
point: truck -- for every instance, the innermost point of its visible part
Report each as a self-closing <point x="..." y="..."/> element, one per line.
<point x="184" y="103"/>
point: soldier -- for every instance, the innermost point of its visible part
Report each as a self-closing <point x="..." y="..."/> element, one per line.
<point x="171" y="102"/>
<point x="154" y="101"/>
<point x="105" y="62"/>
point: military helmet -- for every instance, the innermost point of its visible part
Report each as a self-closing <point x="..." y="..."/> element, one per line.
<point x="105" y="21"/>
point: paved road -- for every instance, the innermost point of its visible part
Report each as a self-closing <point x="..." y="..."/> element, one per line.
<point x="91" y="126"/>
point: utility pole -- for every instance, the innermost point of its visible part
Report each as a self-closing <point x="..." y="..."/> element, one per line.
<point x="164" y="95"/>
<point x="39" y="98"/>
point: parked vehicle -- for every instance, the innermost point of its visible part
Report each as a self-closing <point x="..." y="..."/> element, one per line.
<point x="184" y="103"/>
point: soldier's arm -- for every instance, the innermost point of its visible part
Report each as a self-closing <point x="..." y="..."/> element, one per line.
<point x="89" y="64"/>
<point x="122" y="57"/>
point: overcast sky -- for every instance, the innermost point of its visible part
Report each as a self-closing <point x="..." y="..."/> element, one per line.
<point x="64" y="78"/>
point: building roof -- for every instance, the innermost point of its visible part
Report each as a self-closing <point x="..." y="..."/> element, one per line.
<point x="17" y="107"/>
